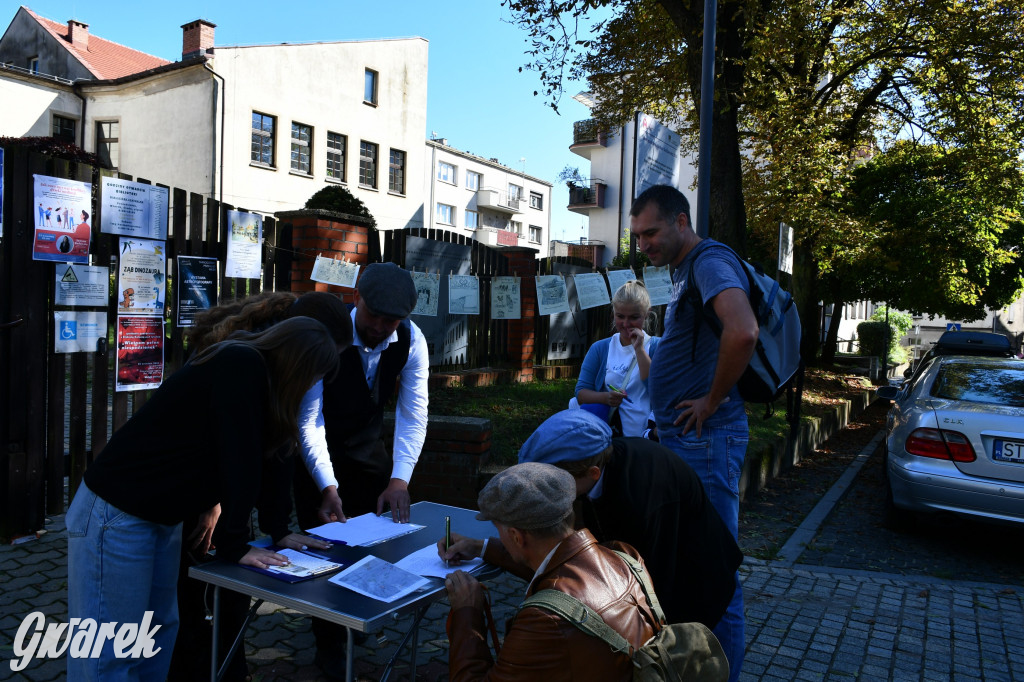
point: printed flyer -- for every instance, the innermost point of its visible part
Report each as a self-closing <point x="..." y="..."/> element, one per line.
<point x="133" y="209"/>
<point x="197" y="287"/>
<point x="140" y="352"/>
<point x="141" y="280"/>
<point x="81" y="285"/>
<point x="245" y="234"/>
<point x="77" y="331"/>
<point x="61" y="215"/>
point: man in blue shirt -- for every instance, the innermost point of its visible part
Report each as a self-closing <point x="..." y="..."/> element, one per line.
<point x="692" y="383"/>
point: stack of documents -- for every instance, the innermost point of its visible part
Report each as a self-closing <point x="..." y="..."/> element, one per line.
<point x="363" y="531"/>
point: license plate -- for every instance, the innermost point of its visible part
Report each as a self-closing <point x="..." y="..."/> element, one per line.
<point x="1008" y="450"/>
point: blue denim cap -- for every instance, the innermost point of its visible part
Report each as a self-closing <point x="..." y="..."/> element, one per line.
<point x="567" y="436"/>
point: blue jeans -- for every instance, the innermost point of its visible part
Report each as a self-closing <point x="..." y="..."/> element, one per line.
<point x="717" y="457"/>
<point x="119" y="567"/>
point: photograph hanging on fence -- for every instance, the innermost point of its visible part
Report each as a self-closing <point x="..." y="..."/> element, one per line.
<point x="245" y="235"/>
<point x="141" y="279"/>
<point x="197" y="287"/>
<point x="616" y="278"/>
<point x="78" y="331"/>
<point x="62" y="215"/>
<point x="81" y="285"/>
<point x="428" y="289"/>
<point x="552" y="295"/>
<point x="505" y="298"/>
<point x="659" y="284"/>
<point x="140" y="352"/>
<point x="340" y="273"/>
<point x="133" y="209"/>
<point x="591" y="290"/>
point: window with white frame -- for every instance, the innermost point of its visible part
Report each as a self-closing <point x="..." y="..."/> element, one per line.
<point x="302" y="148"/>
<point x="263" y="127"/>
<point x="517" y="227"/>
<point x="535" y="232"/>
<point x="370" y="87"/>
<point x="446" y="172"/>
<point x="536" y="200"/>
<point x="108" y="142"/>
<point x="473" y="180"/>
<point x="63" y="128"/>
<point x="368" y="164"/>
<point x="396" y="172"/>
<point x="33" y="64"/>
<point x="336" y="150"/>
<point x="515" y="193"/>
<point x="472" y="220"/>
<point x="445" y="214"/>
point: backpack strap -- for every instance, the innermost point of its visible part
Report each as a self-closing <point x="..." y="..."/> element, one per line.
<point x="645" y="584"/>
<point x="580" y="615"/>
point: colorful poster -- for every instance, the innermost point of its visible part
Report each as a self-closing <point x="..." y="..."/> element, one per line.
<point x="81" y="285"/>
<point x="141" y="280"/>
<point x="338" y="272"/>
<point x="62" y="211"/>
<point x="133" y="209"/>
<point x="591" y="290"/>
<point x="76" y="331"/>
<point x="616" y="278"/>
<point x="245" y="235"/>
<point x="196" y="288"/>
<point x="428" y="289"/>
<point x="505" y="298"/>
<point x="140" y="353"/>
<point x="552" y="295"/>
<point x="659" y="284"/>
<point x="463" y="295"/>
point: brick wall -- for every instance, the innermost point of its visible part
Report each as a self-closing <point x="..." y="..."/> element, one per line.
<point x="331" y="235"/>
<point x="522" y="262"/>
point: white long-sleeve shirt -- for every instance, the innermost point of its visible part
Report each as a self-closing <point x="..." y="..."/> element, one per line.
<point x="410" y="415"/>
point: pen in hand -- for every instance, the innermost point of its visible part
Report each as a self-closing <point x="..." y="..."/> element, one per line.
<point x="447" y="536"/>
<point x="619" y="390"/>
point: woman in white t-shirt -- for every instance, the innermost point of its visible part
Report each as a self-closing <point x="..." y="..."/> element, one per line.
<point x="614" y="373"/>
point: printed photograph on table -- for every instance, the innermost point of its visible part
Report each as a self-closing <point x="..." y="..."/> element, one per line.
<point x="81" y="285"/>
<point x="141" y="279"/>
<point x="62" y="219"/>
<point x="616" y="278"/>
<point x="659" y="284"/>
<point x="428" y="290"/>
<point x="133" y="209"/>
<point x="334" y="271"/>
<point x="505" y="298"/>
<point x="197" y="287"/>
<point x="591" y="290"/>
<point x="76" y="331"/>
<point x="463" y="295"/>
<point x="140" y="352"/>
<point x="552" y="295"/>
<point x="245" y="237"/>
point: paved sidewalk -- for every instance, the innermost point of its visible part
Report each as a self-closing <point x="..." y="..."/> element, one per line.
<point x="803" y="622"/>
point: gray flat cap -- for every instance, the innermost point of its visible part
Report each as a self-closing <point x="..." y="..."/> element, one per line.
<point x="528" y="496"/>
<point x="388" y="290"/>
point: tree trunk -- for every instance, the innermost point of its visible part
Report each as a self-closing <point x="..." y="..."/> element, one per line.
<point x="805" y="291"/>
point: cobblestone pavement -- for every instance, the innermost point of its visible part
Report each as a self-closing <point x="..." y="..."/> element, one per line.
<point x="804" y="622"/>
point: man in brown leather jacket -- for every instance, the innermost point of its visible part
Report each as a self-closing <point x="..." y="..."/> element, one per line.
<point x="531" y="507"/>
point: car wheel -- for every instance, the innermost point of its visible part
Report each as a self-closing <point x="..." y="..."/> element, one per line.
<point x="896" y="519"/>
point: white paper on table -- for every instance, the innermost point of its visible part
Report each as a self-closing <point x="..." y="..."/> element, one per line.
<point x="378" y="579"/>
<point x="302" y="565"/>
<point x="426" y="562"/>
<point x="365" y="530"/>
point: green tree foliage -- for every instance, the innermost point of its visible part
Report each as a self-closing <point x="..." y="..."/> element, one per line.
<point x="339" y="200"/>
<point x="805" y="91"/>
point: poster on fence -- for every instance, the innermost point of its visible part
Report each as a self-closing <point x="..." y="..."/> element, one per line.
<point x="616" y="278"/>
<point x="591" y="290"/>
<point x="197" y="287"/>
<point x="245" y="234"/>
<point x="81" y="285"/>
<point x="340" y="273"/>
<point x="505" y="298"/>
<point x="141" y="280"/>
<point x="428" y="290"/>
<point x="140" y="352"/>
<point x="659" y="284"/>
<point x="463" y="295"/>
<point x="78" y="331"/>
<point x="552" y="296"/>
<point x="62" y="229"/>
<point x="133" y="209"/>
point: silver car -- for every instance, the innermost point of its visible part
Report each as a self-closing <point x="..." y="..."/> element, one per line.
<point x="955" y="439"/>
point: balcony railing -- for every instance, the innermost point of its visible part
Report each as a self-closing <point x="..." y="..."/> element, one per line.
<point x="582" y="198"/>
<point x="587" y="132"/>
<point x="497" y="200"/>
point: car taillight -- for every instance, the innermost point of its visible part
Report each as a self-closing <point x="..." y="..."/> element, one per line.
<point x="940" y="444"/>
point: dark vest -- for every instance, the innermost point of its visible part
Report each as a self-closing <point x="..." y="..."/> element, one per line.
<point x="353" y="412"/>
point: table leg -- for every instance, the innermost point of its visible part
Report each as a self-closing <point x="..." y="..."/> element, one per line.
<point x="349" y="653"/>
<point x="216" y="624"/>
<point x="413" y="634"/>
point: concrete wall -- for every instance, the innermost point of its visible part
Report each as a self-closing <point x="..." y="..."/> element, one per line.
<point x="36" y="102"/>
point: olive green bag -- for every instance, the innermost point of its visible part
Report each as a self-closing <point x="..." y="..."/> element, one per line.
<point x="680" y="652"/>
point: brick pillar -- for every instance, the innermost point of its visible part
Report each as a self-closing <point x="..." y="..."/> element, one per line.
<point x="521" y="332"/>
<point x="331" y="235"/>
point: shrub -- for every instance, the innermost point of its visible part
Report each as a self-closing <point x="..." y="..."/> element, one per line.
<point x="339" y="200"/>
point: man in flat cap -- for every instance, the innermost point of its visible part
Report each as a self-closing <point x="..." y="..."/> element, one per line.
<point x="639" y="492"/>
<point x="531" y="508"/>
<point x="388" y="353"/>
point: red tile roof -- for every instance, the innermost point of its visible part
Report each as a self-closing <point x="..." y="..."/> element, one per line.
<point x="104" y="58"/>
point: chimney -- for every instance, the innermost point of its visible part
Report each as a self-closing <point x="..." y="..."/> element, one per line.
<point x="78" y="34"/>
<point x="197" y="38"/>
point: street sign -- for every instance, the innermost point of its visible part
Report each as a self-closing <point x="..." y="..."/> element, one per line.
<point x="952" y="326"/>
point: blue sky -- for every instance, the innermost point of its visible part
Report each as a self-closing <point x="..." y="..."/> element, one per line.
<point x="476" y="96"/>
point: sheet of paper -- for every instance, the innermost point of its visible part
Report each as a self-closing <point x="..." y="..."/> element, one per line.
<point x="426" y="562"/>
<point x="365" y="530"/>
<point x="302" y="564"/>
<point x="378" y="579"/>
